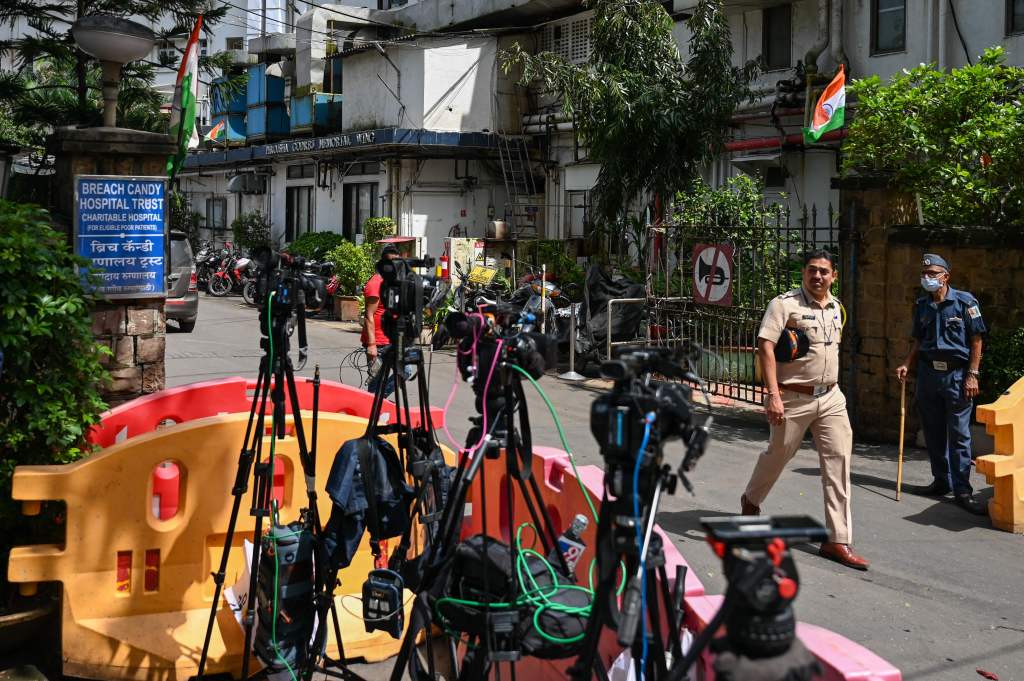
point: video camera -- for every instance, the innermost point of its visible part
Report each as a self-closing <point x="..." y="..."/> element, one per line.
<point x="279" y="273"/>
<point x="403" y="295"/>
<point x="636" y="404"/>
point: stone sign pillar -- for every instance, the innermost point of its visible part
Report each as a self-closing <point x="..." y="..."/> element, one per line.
<point x="132" y="329"/>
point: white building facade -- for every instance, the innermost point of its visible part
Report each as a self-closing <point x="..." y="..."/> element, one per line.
<point x="429" y="131"/>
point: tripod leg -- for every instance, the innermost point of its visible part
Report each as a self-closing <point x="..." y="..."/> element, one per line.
<point x="261" y="491"/>
<point x="241" y="486"/>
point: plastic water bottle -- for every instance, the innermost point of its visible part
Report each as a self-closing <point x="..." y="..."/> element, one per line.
<point x="570" y="543"/>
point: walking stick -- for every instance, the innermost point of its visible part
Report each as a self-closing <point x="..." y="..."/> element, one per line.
<point x="903" y="420"/>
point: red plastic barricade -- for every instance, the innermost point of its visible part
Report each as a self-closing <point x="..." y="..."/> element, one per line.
<point x="227" y="396"/>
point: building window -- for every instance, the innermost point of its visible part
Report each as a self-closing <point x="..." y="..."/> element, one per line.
<point x="777" y="37"/>
<point x="888" y="26"/>
<point x="1014" y="17"/>
<point x="360" y="204"/>
<point x="237" y="43"/>
<point x="300" y="172"/>
<point x="217" y="214"/>
<point x="299" y="212"/>
<point x="202" y="47"/>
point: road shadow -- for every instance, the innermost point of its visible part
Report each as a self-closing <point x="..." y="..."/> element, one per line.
<point x="687" y="523"/>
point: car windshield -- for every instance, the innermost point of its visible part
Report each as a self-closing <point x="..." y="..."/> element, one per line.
<point x="181" y="253"/>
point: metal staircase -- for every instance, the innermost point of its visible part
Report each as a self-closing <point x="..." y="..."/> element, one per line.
<point x="522" y="208"/>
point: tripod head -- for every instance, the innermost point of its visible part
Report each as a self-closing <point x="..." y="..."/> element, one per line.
<point x="762" y="578"/>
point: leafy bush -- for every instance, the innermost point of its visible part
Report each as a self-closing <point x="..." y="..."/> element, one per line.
<point x="315" y="245"/>
<point x="375" y="229"/>
<point x="1003" y="363"/>
<point x="251" y="230"/>
<point x="49" y="386"/>
<point x="953" y="139"/>
<point x="353" y="265"/>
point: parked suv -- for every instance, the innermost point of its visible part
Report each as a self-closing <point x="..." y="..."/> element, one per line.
<point x="182" y="302"/>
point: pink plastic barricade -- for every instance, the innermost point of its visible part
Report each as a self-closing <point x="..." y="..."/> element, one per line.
<point x="840" y="658"/>
<point x="227" y="396"/>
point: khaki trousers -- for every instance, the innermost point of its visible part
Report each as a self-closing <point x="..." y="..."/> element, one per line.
<point x="833" y="437"/>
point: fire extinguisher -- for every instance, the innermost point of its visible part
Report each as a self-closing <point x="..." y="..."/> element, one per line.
<point x="443" y="268"/>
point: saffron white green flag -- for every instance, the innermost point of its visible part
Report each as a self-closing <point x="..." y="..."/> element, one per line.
<point x="218" y="131"/>
<point x="183" y="109"/>
<point x="830" y="112"/>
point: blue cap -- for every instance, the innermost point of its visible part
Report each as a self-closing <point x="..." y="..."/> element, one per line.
<point x="937" y="260"/>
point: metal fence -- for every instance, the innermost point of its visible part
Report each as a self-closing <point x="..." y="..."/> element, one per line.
<point x="766" y="259"/>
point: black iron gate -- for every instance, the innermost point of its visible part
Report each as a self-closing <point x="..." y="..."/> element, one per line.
<point x="766" y="259"/>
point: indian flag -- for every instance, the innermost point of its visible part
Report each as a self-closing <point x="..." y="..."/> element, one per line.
<point x="830" y="112"/>
<point x="183" y="110"/>
<point x="218" y="131"/>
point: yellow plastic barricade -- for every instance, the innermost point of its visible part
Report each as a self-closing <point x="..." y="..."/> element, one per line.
<point x="137" y="583"/>
<point x="1004" y="470"/>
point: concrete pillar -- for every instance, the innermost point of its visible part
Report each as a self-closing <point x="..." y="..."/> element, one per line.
<point x="133" y="330"/>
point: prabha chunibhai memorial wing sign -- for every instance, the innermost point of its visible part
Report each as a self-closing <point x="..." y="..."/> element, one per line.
<point x="121" y="229"/>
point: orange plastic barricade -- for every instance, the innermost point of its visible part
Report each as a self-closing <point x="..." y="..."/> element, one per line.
<point x="137" y="574"/>
<point x="1004" y="470"/>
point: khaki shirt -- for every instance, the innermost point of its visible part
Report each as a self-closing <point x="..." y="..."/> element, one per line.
<point x="823" y="325"/>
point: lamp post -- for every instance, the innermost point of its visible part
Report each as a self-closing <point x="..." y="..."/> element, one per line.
<point x="114" y="41"/>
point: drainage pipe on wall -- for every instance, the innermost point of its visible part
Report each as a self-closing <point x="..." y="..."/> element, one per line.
<point x="811" y="57"/>
<point x="836" y="30"/>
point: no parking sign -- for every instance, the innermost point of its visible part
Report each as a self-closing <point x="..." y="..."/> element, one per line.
<point x="712" y="274"/>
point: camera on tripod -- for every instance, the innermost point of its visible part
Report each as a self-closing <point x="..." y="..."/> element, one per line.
<point x="404" y="294"/>
<point x="636" y="404"/>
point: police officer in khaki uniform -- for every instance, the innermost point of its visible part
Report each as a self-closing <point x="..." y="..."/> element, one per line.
<point x="803" y="393"/>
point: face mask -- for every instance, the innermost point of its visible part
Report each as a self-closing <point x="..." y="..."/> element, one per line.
<point x="931" y="285"/>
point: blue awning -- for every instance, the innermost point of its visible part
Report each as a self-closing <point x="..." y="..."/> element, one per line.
<point x="383" y="141"/>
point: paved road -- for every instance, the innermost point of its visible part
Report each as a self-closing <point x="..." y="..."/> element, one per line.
<point x="945" y="592"/>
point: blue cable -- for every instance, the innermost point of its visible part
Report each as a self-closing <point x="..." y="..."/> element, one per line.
<point x="648" y="421"/>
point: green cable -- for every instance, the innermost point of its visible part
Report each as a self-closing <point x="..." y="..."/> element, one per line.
<point x="273" y="439"/>
<point x="561" y="435"/>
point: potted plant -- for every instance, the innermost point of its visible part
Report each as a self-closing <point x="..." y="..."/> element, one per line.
<point x="353" y="266"/>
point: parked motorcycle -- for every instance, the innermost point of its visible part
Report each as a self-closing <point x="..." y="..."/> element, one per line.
<point x="207" y="259"/>
<point x="542" y="296"/>
<point x="232" y="275"/>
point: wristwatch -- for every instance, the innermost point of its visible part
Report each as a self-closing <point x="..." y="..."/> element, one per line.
<point x="974" y="372"/>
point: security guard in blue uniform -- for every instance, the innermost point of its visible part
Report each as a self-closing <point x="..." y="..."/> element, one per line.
<point x="947" y="331"/>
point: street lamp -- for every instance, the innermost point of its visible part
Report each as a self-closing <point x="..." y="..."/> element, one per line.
<point x="114" y="41"/>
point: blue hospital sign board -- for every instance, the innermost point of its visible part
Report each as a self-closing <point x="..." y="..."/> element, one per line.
<point x="121" y="229"/>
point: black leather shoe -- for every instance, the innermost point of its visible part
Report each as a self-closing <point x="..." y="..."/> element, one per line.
<point x="967" y="502"/>
<point x="935" y="489"/>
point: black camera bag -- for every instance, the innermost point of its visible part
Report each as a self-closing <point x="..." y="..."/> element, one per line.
<point x="481" y="570"/>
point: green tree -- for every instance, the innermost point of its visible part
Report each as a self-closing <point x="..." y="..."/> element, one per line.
<point x="353" y="265"/>
<point x="48" y="399"/>
<point x="57" y="84"/>
<point x="954" y="139"/>
<point x="650" y="118"/>
<point x="184" y="219"/>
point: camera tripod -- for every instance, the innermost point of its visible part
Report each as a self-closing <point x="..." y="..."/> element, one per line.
<point x="276" y="378"/>
<point x="497" y="640"/>
<point x="618" y="530"/>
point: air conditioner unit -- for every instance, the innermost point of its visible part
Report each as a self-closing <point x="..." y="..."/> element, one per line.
<point x="247" y="183"/>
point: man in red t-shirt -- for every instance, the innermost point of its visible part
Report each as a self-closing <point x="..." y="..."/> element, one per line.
<point x="373" y="337"/>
